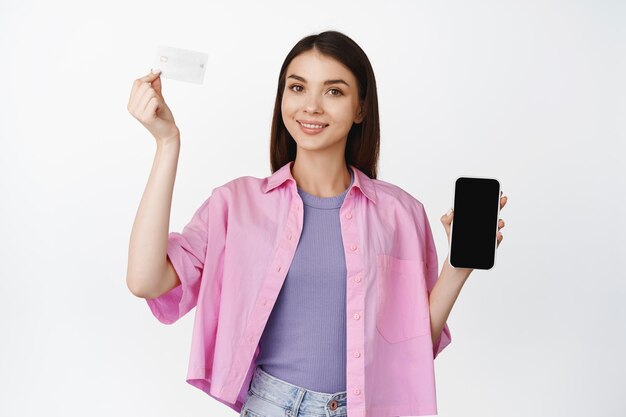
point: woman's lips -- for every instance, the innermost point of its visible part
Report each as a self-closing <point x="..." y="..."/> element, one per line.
<point x="311" y="131"/>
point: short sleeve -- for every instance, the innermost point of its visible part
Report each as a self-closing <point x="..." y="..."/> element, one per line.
<point x="187" y="251"/>
<point x="432" y="274"/>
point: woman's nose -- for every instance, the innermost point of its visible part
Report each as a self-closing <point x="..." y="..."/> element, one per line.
<point x="313" y="103"/>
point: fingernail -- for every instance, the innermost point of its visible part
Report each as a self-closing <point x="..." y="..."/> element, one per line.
<point x="155" y="70"/>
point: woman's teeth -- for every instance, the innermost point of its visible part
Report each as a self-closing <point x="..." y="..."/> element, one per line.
<point x="312" y="126"/>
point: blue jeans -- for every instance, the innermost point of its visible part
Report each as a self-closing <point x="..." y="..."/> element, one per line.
<point x="269" y="396"/>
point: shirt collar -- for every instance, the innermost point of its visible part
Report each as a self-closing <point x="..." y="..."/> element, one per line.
<point x="361" y="181"/>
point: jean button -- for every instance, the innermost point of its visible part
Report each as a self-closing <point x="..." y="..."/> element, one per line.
<point x="333" y="405"/>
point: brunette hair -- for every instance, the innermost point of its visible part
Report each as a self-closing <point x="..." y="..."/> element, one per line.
<point x="363" y="144"/>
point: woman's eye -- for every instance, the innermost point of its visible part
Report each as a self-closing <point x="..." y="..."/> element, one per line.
<point x="294" y="86"/>
<point x="338" y="91"/>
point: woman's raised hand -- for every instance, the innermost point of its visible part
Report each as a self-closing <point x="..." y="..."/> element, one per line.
<point x="447" y="218"/>
<point x="147" y="105"/>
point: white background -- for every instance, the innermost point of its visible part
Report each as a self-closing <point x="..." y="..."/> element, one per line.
<point x="530" y="92"/>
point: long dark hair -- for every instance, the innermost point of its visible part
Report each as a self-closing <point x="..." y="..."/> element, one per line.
<point x="363" y="144"/>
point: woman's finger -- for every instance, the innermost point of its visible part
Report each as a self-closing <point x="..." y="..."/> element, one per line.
<point x="146" y="79"/>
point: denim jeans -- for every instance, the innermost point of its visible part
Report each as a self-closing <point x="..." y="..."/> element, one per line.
<point x="269" y="396"/>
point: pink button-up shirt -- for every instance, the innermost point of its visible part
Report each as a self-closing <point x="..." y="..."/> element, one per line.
<point x="232" y="259"/>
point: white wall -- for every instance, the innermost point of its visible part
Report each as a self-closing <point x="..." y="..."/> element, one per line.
<point x="531" y="92"/>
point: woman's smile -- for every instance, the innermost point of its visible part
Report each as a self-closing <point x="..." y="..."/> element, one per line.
<point x="321" y="95"/>
<point x="311" y="128"/>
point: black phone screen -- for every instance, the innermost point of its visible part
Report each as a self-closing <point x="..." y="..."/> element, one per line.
<point x="475" y="223"/>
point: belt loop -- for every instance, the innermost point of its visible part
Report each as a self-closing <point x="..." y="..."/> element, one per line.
<point x="296" y="404"/>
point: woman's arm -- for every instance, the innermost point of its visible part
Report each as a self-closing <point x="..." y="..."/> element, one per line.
<point x="149" y="271"/>
<point x="444" y="295"/>
<point x="451" y="280"/>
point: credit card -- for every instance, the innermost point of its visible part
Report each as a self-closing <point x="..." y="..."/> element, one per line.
<point x="181" y="64"/>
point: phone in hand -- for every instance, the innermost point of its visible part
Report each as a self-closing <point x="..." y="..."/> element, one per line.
<point x="473" y="239"/>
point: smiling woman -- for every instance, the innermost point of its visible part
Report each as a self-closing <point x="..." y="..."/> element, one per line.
<point x="326" y="112"/>
<point x="312" y="284"/>
<point x="319" y="104"/>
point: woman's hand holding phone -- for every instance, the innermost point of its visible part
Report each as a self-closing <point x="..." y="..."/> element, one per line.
<point x="447" y="219"/>
<point x="147" y="105"/>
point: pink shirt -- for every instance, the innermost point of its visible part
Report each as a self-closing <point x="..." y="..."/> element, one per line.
<point x="232" y="259"/>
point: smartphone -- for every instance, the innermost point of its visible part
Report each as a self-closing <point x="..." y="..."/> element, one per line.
<point x="473" y="239"/>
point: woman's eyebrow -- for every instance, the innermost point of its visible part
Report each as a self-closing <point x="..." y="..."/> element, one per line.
<point x="297" y="77"/>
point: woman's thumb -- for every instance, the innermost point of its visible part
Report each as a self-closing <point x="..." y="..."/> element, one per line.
<point x="155" y="79"/>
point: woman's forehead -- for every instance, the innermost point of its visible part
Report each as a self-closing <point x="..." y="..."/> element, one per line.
<point x="315" y="67"/>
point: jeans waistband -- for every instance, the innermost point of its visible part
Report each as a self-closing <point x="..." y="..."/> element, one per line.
<point x="297" y="399"/>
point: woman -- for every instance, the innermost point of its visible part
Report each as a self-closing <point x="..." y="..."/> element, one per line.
<point x="279" y="330"/>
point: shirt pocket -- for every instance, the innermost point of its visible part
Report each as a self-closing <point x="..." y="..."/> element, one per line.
<point x="403" y="309"/>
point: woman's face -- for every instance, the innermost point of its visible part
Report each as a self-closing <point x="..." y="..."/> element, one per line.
<point x="322" y="91"/>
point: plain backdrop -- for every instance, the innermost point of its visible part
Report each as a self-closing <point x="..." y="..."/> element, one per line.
<point x="530" y="92"/>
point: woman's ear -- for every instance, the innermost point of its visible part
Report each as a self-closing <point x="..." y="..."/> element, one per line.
<point x="360" y="116"/>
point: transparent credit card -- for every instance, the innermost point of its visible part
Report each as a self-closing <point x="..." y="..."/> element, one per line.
<point x="181" y="64"/>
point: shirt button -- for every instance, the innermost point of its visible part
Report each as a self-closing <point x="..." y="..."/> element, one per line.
<point x="279" y="268"/>
<point x="357" y="354"/>
<point x="264" y="303"/>
<point x="289" y="236"/>
<point x="250" y="339"/>
<point x="357" y="391"/>
<point x="357" y="278"/>
<point x="357" y="316"/>
<point x="353" y="247"/>
<point x="349" y="215"/>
